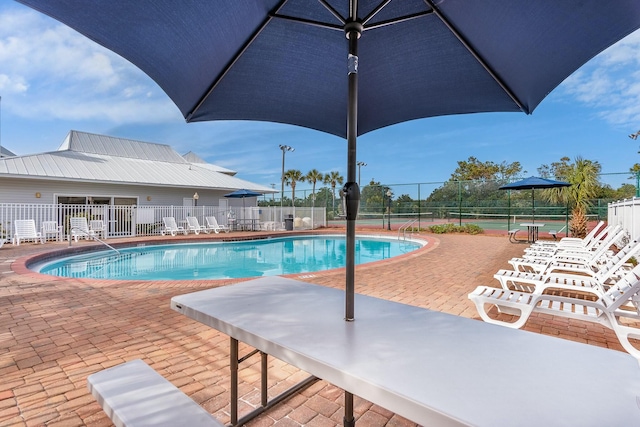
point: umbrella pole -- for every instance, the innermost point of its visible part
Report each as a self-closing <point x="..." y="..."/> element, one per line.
<point x="351" y="191"/>
<point x="533" y="205"/>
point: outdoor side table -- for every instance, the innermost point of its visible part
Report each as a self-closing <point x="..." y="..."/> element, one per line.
<point x="532" y="230"/>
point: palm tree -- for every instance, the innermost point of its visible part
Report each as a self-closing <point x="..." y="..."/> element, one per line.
<point x="333" y="178"/>
<point x="583" y="177"/>
<point x="291" y="177"/>
<point x="313" y="176"/>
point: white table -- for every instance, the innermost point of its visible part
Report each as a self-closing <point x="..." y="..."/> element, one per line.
<point x="532" y="230"/>
<point x="430" y="367"/>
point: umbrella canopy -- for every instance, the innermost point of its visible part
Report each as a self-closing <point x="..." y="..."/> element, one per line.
<point x="532" y="183"/>
<point x="238" y="194"/>
<point x="288" y="60"/>
<point x="242" y="194"/>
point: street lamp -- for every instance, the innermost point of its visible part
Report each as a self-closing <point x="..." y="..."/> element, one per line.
<point x="389" y="194"/>
<point x="284" y="149"/>
<point x="634" y="136"/>
<point x="195" y="198"/>
<point x="359" y="165"/>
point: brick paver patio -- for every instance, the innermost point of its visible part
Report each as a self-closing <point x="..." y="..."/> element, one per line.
<point x="55" y="332"/>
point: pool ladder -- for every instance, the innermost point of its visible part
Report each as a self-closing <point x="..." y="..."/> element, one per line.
<point x="404" y="227"/>
<point x="93" y="237"/>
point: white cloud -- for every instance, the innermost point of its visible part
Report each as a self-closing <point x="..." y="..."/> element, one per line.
<point x="48" y="71"/>
<point x="610" y="83"/>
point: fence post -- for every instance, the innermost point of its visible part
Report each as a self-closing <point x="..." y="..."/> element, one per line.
<point x="459" y="203"/>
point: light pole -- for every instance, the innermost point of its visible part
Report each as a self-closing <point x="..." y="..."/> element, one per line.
<point x="284" y="149"/>
<point x="360" y="164"/>
<point x="195" y="198"/>
<point x="389" y="194"/>
<point x="273" y="195"/>
<point x="634" y="136"/>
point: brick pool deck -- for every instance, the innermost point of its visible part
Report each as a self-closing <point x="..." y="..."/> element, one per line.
<point x="55" y="332"/>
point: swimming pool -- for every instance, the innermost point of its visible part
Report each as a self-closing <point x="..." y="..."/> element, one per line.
<point x="225" y="260"/>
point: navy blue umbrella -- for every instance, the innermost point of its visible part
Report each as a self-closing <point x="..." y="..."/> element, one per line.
<point x="348" y="67"/>
<point x="532" y="183"/>
<point x="242" y="194"/>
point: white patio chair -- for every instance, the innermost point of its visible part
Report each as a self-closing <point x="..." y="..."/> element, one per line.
<point x="171" y="227"/>
<point x="25" y="229"/>
<point x="212" y="225"/>
<point x="194" y="225"/>
<point x="51" y="228"/>
<point x="99" y="227"/>
<point x="80" y="228"/>
<point x="621" y="300"/>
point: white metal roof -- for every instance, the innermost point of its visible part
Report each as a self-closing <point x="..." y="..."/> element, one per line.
<point x="192" y="157"/>
<point x="4" y="152"/>
<point x="98" y="158"/>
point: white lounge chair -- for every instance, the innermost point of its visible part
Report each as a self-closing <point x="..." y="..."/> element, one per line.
<point x="542" y="264"/>
<point x="212" y="225"/>
<point x="194" y="225"/>
<point x="588" y="244"/>
<point x="621" y="300"/>
<point x="80" y="228"/>
<point x="575" y="241"/>
<point x="171" y="227"/>
<point x="98" y="227"/>
<point x="572" y="277"/>
<point x="25" y="229"/>
<point x="51" y="228"/>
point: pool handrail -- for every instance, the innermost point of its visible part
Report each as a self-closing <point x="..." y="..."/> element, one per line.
<point x="77" y="229"/>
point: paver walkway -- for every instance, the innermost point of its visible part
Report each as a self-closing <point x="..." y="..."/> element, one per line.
<point x="55" y="332"/>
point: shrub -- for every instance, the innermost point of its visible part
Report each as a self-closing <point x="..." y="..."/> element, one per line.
<point x="452" y="228"/>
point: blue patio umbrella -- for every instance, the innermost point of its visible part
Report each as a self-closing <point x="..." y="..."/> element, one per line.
<point x="532" y="183"/>
<point x="348" y="67"/>
<point x="242" y="194"/>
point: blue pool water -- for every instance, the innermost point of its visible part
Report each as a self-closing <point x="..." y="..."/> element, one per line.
<point x="225" y="260"/>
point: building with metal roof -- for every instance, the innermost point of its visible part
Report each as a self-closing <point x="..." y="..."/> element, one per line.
<point x="98" y="169"/>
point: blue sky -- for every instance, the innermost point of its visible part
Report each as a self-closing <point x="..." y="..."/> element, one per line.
<point x="53" y="80"/>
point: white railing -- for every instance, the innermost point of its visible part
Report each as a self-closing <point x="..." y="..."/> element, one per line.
<point x="626" y="213"/>
<point x="129" y="221"/>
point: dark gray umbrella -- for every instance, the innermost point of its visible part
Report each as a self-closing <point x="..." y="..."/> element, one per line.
<point x="288" y="61"/>
<point x="532" y="183"/>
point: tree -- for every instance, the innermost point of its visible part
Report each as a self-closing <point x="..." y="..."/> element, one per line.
<point x="313" y="176"/>
<point x="582" y="174"/>
<point x="371" y="197"/>
<point x="333" y="178"/>
<point x="291" y="177"/>
<point x="473" y="169"/>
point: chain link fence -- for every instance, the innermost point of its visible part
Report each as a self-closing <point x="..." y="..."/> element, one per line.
<point x="480" y="202"/>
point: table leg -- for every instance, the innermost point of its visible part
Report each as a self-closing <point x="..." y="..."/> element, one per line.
<point x="233" y="365"/>
<point x="348" y="420"/>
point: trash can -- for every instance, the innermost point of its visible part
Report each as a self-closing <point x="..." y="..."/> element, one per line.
<point x="288" y="223"/>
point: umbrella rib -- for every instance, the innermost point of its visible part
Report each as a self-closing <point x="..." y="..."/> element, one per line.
<point x="398" y="20"/>
<point x="332" y="11"/>
<point x="478" y="58"/>
<point x="309" y="22"/>
<point x="375" y="11"/>
<point x="233" y="60"/>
